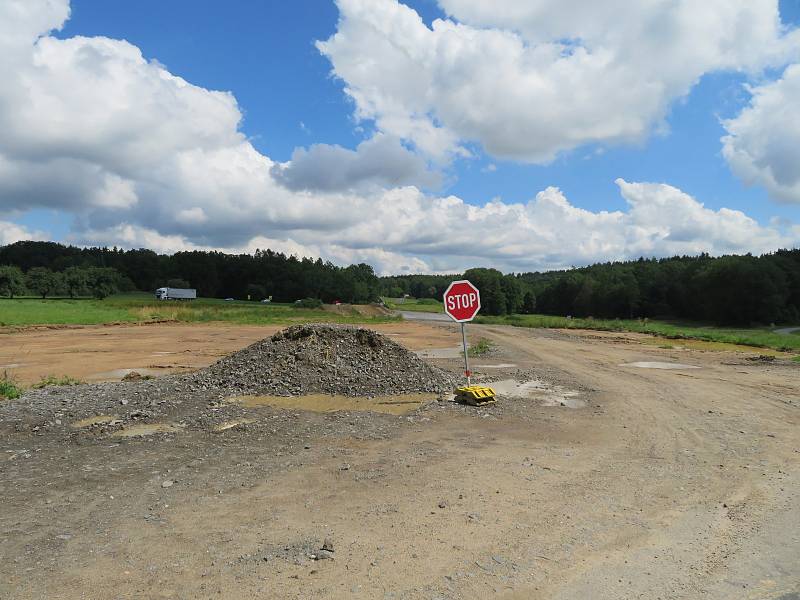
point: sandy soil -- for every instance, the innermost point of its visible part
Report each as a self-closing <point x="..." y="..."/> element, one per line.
<point x="666" y="483"/>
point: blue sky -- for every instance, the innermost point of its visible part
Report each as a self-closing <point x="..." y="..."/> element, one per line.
<point x="264" y="53"/>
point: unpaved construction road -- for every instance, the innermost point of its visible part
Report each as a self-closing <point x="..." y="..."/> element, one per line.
<point x="603" y="481"/>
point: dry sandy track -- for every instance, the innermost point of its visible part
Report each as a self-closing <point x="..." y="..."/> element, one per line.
<point x="668" y="484"/>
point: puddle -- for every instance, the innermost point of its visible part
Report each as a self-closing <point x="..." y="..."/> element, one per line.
<point x="454" y="352"/>
<point x="498" y="366"/>
<point x="550" y="395"/>
<point x="144" y="429"/>
<point x="120" y="373"/>
<point x="96" y="420"/>
<point x="162" y="353"/>
<point x="394" y="405"/>
<point x="11" y="366"/>
<point x="658" y="365"/>
<point x="231" y="424"/>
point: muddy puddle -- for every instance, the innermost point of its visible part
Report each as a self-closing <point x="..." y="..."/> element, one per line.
<point x="394" y="405"/>
<point x="497" y="366"/>
<point x="549" y="395"/>
<point x="659" y="365"/>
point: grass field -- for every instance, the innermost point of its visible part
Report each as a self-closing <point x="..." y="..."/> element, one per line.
<point x="137" y="308"/>
<point x="760" y="338"/>
<point x="415" y="305"/>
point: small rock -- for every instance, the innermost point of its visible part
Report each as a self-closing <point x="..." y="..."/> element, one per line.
<point x="344" y="467"/>
<point x="327" y="545"/>
<point x="167" y="483"/>
<point x="123" y="402"/>
<point x="442" y="504"/>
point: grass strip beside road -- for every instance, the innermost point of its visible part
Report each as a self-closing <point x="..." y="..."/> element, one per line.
<point x="143" y="308"/>
<point x="755" y="337"/>
<point x="415" y="305"/>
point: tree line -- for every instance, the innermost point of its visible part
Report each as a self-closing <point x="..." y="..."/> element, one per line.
<point x="736" y="290"/>
<point x="214" y="274"/>
<point x="98" y="282"/>
<point x="728" y="290"/>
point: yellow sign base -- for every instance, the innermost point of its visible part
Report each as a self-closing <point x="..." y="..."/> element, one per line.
<point x="475" y="395"/>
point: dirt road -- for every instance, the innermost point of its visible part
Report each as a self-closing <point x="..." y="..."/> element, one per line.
<point x="668" y="483"/>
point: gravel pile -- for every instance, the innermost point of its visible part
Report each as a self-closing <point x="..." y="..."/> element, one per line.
<point x="326" y="359"/>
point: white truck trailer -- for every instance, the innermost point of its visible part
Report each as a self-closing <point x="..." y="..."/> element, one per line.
<point x="168" y="293"/>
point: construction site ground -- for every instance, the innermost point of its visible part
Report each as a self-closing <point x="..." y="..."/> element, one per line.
<point x="608" y="468"/>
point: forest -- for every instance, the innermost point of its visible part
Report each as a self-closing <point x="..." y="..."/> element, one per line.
<point x="214" y="274"/>
<point x="730" y="290"/>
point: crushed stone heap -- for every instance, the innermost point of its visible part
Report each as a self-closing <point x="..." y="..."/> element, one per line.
<point x="329" y="359"/>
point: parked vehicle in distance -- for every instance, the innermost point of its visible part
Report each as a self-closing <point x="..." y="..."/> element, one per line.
<point x="168" y="293"/>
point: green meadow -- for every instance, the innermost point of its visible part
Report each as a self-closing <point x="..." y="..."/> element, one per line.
<point x="142" y="308"/>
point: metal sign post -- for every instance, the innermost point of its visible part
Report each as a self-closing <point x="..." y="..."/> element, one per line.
<point x="467" y="372"/>
<point x="462" y="301"/>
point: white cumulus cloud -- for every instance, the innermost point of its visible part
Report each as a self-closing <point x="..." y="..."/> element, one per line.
<point x="530" y="79"/>
<point x="763" y="142"/>
<point x="12" y="232"/>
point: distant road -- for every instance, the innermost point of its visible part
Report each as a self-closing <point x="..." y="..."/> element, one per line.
<point x="787" y="330"/>
<point x="410" y="315"/>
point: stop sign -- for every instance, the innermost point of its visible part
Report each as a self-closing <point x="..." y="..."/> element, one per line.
<point x="462" y="301"/>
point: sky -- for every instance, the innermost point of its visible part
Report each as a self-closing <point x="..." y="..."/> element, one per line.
<point x="416" y="136"/>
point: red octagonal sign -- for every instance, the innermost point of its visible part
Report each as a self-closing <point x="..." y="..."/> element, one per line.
<point x="462" y="301"/>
